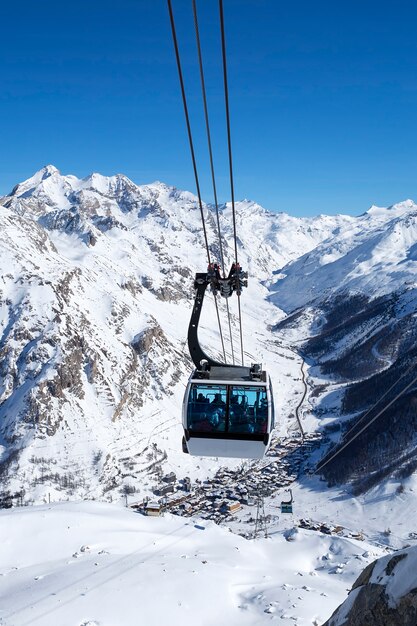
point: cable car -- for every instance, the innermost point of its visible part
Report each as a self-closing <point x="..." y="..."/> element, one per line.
<point x="286" y="505"/>
<point x="228" y="410"/>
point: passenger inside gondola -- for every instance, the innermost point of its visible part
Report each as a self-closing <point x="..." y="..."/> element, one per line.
<point x="237" y="417"/>
<point x="230" y="409"/>
<point x="262" y="416"/>
<point x="207" y="408"/>
<point x="217" y="401"/>
<point x="244" y="411"/>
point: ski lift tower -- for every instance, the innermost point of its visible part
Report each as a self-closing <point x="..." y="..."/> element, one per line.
<point x="261" y="521"/>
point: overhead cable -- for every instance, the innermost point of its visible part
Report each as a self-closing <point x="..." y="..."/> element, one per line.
<point x="187" y="119"/>
<point x="213" y="177"/>
<point x="361" y="419"/>
<point x="229" y="144"/>
<point x="333" y="456"/>
<point x="190" y="139"/>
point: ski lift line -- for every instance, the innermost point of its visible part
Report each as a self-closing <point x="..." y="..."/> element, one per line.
<point x="190" y="139"/>
<point x="230" y="331"/>
<point x="187" y="119"/>
<point x="220" y="326"/>
<point x="213" y="178"/>
<point x="229" y="144"/>
<point x="240" y="328"/>
<point x="408" y="370"/>
<point x="206" y="116"/>
<point x="321" y="465"/>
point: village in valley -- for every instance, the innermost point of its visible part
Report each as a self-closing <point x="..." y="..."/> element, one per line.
<point x="237" y="495"/>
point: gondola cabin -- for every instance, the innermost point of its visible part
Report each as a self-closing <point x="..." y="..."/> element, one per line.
<point x="286" y="505"/>
<point x="228" y="411"/>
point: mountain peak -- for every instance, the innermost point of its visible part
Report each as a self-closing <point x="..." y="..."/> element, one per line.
<point x="398" y="209"/>
<point x="106" y="185"/>
<point x="31" y="183"/>
<point x="48" y="170"/>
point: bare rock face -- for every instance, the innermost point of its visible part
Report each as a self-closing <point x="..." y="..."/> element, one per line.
<point x="385" y="594"/>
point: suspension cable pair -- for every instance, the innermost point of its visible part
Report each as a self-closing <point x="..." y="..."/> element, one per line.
<point x="326" y="461"/>
<point x="190" y="139"/>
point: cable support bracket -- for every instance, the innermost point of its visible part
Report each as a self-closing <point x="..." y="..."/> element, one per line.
<point x="234" y="282"/>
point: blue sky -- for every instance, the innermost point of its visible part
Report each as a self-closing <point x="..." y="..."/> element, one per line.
<point x="323" y="97"/>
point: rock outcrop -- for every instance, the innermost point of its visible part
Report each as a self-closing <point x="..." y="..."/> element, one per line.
<point x="385" y="594"/>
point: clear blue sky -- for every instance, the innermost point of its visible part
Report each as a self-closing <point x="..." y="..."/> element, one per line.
<point x="323" y="97"/>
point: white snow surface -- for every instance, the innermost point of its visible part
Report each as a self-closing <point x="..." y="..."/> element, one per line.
<point x="90" y="563"/>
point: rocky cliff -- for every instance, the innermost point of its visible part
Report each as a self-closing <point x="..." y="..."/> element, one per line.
<point x="385" y="594"/>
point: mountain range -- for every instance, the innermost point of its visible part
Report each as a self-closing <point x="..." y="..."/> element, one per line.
<point x="95" y="296"/>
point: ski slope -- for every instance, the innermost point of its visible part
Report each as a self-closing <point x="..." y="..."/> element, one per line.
<point x="85" y="564"/>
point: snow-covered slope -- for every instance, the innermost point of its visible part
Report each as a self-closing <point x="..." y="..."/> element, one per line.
<point x="96" y="564"/>
<point x="353" y="299"/>
<point x="375" y="255"/>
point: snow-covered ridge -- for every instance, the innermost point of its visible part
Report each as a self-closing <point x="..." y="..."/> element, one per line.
<point x="330" y="242"/>
<point x="61" y="191"/>
<point x="375" y="255"/>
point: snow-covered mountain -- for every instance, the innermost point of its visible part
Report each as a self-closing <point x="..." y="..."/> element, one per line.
<point x="373" y="254"/>
<point x="95" y="296"/>
<point x="354" y="297"/>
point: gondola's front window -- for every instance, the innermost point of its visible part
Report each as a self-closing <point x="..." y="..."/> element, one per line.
<point x="207" y="408"/>
<point x="248" y="410"/>
<point x="227" y="409"/>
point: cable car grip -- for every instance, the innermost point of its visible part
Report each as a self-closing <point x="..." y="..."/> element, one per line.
<point x="235" y="281"/>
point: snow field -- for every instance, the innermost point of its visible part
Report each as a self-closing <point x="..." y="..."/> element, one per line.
<point x="84" y="563"/>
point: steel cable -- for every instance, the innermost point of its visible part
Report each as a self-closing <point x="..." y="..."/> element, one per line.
<point x="190" y="139"/>
<point x="229" y="144"/>
<point x="187" y="119"/>
<point x="206" y="116"/>
<point x="354" y="427"/>
<point x="213" y="177"/>
<point x="320" y="466"/>
<point x="229" y="141"/>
